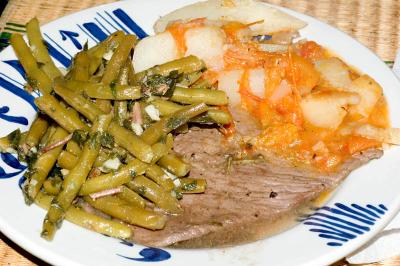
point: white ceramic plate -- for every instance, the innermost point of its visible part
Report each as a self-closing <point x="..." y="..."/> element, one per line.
<point x="362" y="205"/>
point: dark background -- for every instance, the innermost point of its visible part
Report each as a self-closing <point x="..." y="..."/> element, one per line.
<point x="3" y="3"/>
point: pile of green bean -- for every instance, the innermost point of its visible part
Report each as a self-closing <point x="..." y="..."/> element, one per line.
<point x="104" y="134"/>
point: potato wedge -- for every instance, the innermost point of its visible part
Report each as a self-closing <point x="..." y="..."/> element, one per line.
<point x="327" y="109"/>
<point x="384" y="135"/>
<point x="244" y="11"/>
<point x="154" y="50"/>
<point x="334" y="72"/>
<point x="369" y="91"/>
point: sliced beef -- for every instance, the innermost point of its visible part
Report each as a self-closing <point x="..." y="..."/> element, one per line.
<point x="246" y="203"/>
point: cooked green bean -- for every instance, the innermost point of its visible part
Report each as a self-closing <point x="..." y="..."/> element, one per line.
<point x="159" y="149"/>
<point x="97" y="52"/>
<point x="48" y="104"/>
<point x="43" y="165"/>
<point x="73" y="148"/>
<point x="36" y="132"/>
<point x="174" y="164"/>
<point x="187" y="64"/>
<point x="113" y="179"/>
<point x="118" y="59"/>
<point x="152" y="134"/>
<point x="166" y="107"/>
<point x="121" y="107"/>
<point x="131" y="197"/>
<point x="102" y="91"/>
<point x="88" y="220"/>
<point x="52" y="186"/>
<point x="67" y="160"/>
<point x="128" y="140"/>
<point x="213" y="116"/>
<point x="207" y="96"/>
<point x="122" y="136"/>
<point x="129" y="213"/>
<point x="150" y="190"/>
<point x="190" y="78"/>
<point x="155" y="173"/>
<point x="193" y="185"/>
<point x="104" y="105"/>
<point x="44" y="141"/>
<point x="39" y="49"/>
<point x="80" y="67"/>
<point x="120" y="111"/>
<point x="78" y="101"/>
<point x="75" y="178"/>
<point x="36" y="77"/>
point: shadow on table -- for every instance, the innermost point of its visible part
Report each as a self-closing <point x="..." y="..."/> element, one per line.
<point x="22" y="252"/>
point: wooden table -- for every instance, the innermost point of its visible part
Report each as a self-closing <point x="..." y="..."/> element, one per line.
<point x="375" y="23"/>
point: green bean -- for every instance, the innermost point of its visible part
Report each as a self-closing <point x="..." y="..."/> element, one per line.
<point x="159" y="149"/>
<point x="75" y="178"/>
<point x="190" y="78"/>
<point x="67" y="160"/>
<point x="102" y="91"/>
<point x="113" y="179"/>
<point x="120" y="111"/>
<point x="152" y="134"/>
<point x="78" y="101"/>
<point x="187" y="64"/>
<point x="113" y="92"/>
<point x="96" y="53"/>
<point x="213" y="116"/>
<point x="80" y="67"/>
<point x="129" y="213"/>
<point x="150" y="190"/>
<point x="104" y="105"/>
<point x="36" y="77"/>
<point x="131" y="197"/>
<point x="123" y="77"/>
<point x="207" y="96"/>
<point x="128" y="140"/>
<point x="122" y="136"/>
<point x="52" y="186"/>
<point x="43" y="165"/>
<point x="192" y="185"/>
<point x="60" y="114"/>
<point x="73" y="148"/>
<point x="166" y="107"/>
<point x="36" y="132"/>
<point x="39" y="49"/>
<point x="44" y="141"/>
<point x="174" y="164"/>
<point x="118" y="58"/>
<point x="155" y="173"/>
<point x="88" y="220"/>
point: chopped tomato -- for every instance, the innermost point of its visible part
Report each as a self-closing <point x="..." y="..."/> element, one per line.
<point x="356" y="144"/>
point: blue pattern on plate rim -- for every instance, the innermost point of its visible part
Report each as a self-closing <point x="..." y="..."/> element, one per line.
<point x="338" y="224"/>
<point x="97" y="31"/>
<point x="342" y="223"/>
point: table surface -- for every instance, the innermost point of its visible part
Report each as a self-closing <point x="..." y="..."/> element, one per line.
<point x="375" y="23"/>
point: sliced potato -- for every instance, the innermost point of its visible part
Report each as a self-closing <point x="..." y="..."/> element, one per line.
<point x="244" y="11"/>
<point x="154" y="50"/>
<point x="228" y="81"/>
<point x="369" y="91"/>
<point x="334" y="72"/>
<point x="327" y="109"/>
<point x="385" y="135"/>
<point x="206" y="43"/>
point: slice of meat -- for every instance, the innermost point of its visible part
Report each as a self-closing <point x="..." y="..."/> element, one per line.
<point x="248" y="203"/>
